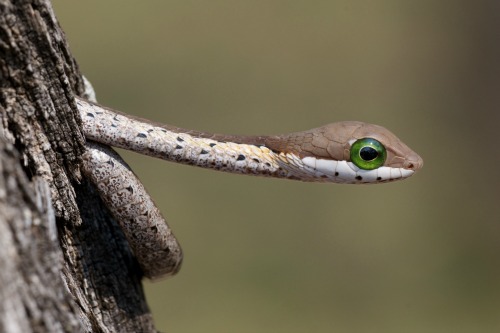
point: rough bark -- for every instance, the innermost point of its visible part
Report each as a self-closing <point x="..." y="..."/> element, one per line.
<point x="64" y="263"/>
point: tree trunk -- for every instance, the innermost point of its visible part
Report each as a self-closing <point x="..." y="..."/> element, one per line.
<point x="64" y="263"/>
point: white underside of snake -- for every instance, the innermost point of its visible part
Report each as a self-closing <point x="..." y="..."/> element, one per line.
<point x="344" y="152"/>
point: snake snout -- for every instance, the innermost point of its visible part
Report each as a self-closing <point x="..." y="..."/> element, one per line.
<point x="414" y="162"/>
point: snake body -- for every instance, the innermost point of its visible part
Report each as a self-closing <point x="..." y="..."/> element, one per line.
<point x="317" y="155"/>
<point x="149" y="236"/>
<point x="322" y="154"/>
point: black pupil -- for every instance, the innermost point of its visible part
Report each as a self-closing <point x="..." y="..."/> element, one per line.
<point x="368" y="153"/>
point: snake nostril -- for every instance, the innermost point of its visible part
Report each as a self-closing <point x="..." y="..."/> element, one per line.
<point x="411" y="166"/>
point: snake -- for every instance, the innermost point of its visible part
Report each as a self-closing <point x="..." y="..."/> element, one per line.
<point x="347" y="152"/>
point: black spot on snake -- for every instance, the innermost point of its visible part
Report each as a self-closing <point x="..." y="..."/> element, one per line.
<point x="110" y="162"/>
<point x="203" y="152"/>
<point x="213" y="144"/>
<point x="255" y="160"/>
<point x="179" y="139"/>
<point x="130" y="189"/>
<point x="359" y="178"/>
<point x="268" y="164"/>
<point x="336" y="174"/>
<point x="241" y="157"/>
<point x="141" y="135"/>
<point x="379" y="178"/>
<point x="90" y="115"/>
<point x="178" y="147"/>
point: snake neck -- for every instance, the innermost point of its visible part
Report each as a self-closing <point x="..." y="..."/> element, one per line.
<point x="237" y="154"/>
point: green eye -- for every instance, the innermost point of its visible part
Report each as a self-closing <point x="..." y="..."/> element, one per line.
<point x="368" y="153"/>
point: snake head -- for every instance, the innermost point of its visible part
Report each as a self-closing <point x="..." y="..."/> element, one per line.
<point x="352" y="152"/>
<point x="398" y="154"/>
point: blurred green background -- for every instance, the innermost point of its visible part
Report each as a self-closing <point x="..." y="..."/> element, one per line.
<point x="266" y="255"/>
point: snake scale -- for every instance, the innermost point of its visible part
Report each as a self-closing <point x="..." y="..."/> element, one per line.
<point x="343" y="152"/>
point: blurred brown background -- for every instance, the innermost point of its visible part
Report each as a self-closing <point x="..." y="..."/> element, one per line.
<point x="265" y="255"/>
